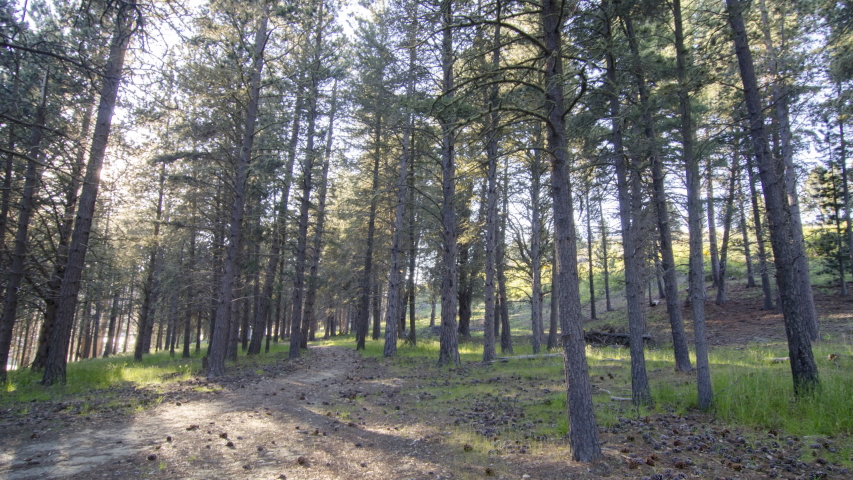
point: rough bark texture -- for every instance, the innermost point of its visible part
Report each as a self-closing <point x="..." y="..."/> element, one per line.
<point x="449" y="344"/>
<point x="583" y="432"/>
<point x="673" y="308"/>
<point x="32" y="181"/>
<point x="632" y="251"/>
<point x="55" y="366"/>
<point x="304" y="206"/>
<point x="782" y="237"/>
<point x="492" y="208"/>
<point x="696" y="276"/>
<point x="65" y="227"/>
<point x="780" y="98"/>
<point x="219" y="338"/>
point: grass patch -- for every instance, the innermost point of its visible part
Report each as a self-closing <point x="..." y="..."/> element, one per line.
<point x="87" y="376"/>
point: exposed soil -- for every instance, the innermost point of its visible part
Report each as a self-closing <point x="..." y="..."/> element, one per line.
<point x="335" y="415"/>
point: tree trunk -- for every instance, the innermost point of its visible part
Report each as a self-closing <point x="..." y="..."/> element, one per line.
<point x="305" y="202"/>
<point x="673" y="308"/>
<point x="395" y="270"/>
<point x="696" y="276"/>
<point x="367" y="274"/>
<point x="32" y="179"/>
<point x="782" y="236"/>
<point x="583" y="432"/>
<point x="220" y="335"/>
<point x="605" y="259"/>
<point x="55" y="366"/>
<point x="780" y="96"/>
<point x="555" y="305"/>
<point x="317" y="249"/>
<point x="279" y="233"/>
<point x="641" y="392"/>
<point x="747" y="254"/>
<point x="591" y="275"/>
<point x="65" y="227"/>
<point x="536" y="300"/>
<point x="506" y="331"/>
<point x="111" y="328"/>
<point x="763" y="267"/>
<point x="150" y="290"/>
<point x="449" y="344"/>
<point x="727" y="227"/>
<point x="712" y="224"/>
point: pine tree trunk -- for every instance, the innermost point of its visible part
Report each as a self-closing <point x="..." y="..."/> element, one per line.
<point x="317" y="249"/>
<point x="782" y="236"/>
<point x="32" y="181"/>
<point x="696" y="276"/>
<point x="747" y="254"/>
<point x="780" y="98"/>
<point x="590" y="272"/>
<point x="449" y="344"/>
<point x="305" y="202"/>
<point x="727" y="227"/>
<point x="640" y="390"/>
<point x="536" y="244"/>
<point x="712" y="224"/>
<point x="65" y="227"/>
<point x="55" y="366"/>
<point x="605" y="258"/>
<point x="150" y="290"/>
<point x="220" y="336"/>
<point x="583" y="432"/>
<point x="673" y="308"/>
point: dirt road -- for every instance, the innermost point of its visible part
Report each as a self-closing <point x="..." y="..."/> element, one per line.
<point x="333" y="416"/>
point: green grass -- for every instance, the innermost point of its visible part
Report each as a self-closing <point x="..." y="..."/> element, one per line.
<point x="86" y="376"/>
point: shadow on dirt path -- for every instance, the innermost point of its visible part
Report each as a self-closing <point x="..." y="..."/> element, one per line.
<point x="327" y="419"/>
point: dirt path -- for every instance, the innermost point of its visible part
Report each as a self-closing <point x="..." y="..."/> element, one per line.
<point x="332" y="417"/>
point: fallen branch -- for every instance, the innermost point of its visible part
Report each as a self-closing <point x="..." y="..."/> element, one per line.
<point x="528" y="357"/>
<point x="605" y="338"/>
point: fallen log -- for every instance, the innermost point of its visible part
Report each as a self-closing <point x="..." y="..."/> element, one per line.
<point x="605" y="338"/>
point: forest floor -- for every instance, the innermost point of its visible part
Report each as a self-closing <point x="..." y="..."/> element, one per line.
<point x="336" y="415"/>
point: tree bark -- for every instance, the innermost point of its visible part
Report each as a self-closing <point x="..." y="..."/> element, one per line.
<point x="583" y="432"/>
<point x="449" y="344"/>
<point x="712" y="224"/>
<point x="32" y="180"/>
<point x="696" y="280"/>
<point x="220" y="336"/>
<point x="65" y="227"/>
<point x="673" y="308"/>
<point x="780" y="96"/>
<point x="605" y="258"/>
<point x="632" y="251"/>
<point x="150" y="290"/>
<point x="727" y="227"/>
<point x="782" y="237"/>
<point x="55" y="367"/>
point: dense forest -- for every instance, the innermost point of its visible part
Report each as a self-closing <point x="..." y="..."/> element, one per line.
<point x="218" y="176"/>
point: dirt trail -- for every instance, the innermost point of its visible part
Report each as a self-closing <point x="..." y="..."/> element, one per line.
<point x="333" y="417"/>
